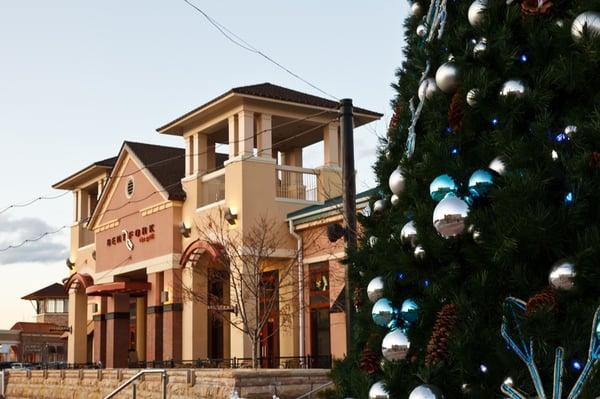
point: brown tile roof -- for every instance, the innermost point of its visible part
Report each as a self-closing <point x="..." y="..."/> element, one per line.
<point x="55" y="290"/>
<point x="38" y="328"/>
<point x="107" y="163"/>
<point x="167" y="165"/>
<point x="275" y="92"/>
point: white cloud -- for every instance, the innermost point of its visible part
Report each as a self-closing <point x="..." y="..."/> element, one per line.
<point x="14" y="231"/>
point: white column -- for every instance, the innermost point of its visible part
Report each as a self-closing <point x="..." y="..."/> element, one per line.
<point x="246" y="132"/>
<point x="233" y="136"/>
<point x="77" y="341"/>
<point x="264" y="136"/>
<point x="201" y="150"/>
<point x="331" y="145"/>
<point x="76" y="206"/>
<point x="189" y="149"/>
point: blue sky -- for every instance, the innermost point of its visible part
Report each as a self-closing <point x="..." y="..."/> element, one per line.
<point x="78" y="77"/>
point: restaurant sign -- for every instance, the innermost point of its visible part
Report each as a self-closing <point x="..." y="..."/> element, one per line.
<point x="143" y="234"/>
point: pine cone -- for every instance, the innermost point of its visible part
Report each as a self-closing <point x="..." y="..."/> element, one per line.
<point x="535" y="7"/>
<point x="437" y="348"/>
<point x="369" y="361"/>
<point x="545" y="299"/>
<point x="357" y="298"/>
<point x="395" y="119"/>
<point x="455" y="113"/>
<point x="595" y="160"/>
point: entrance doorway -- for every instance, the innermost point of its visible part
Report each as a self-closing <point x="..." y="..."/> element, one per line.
<point x="320" y="335"/>
<point x="269" y="335"/>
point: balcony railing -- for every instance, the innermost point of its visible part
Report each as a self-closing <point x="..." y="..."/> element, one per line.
<point x="213" y="187"/>
<point x="296" y="183"/>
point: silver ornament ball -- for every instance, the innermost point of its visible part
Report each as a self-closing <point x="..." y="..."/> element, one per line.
<point x="416" y="9"/>
<point x="378" y="391"/>
<point x="395" y="200"/>
<point x="447" y="77"/>
<point x="476" y="14"/>
<point x="562" y="275"/>
<point x="421" y="30"/>
<point x="449" y="216"/>
<point x="588" y="21"/>
<point x="514" y="87"/>
<point x="472" y="97"/>
<point x="379" y="206"/>
<point x="570" y="131"/>
<point x="395" y="346"/>
<point x="427" y="89"/>
<point x="408" y="234"/>
<point x="397" y="181"/>
<point x="419" y="252"/>
<point x="498" y="165"/>
<point x="480" y="47"/>
<point x="426" y="392"/>
<point x="373" y="241"/>
<point x="375" y="289"/>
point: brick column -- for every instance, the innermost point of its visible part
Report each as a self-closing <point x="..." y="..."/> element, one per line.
<point x="154" y="319"/>
<point x="117" y="331"/>
<point x="172" y="316"/>
<point x="100" y="333"/>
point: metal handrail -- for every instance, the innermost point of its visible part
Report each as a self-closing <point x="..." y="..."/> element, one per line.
<point x="163" y="383"/>
<point x="309" y="393"/>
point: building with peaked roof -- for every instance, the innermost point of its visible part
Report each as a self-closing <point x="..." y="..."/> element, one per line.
<point x="41" y="341"/>
<point x="138" y="218"/>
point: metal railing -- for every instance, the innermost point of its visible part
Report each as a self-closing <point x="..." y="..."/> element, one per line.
<point x="296" y="183"/>
<point x="213" y="188"/>
<point x="310" y="393"/>
<point x="280" y="362"/>
<point x="132" y="380"/>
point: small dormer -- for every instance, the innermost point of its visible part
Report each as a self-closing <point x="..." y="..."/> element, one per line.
<point x="51" y="304"/>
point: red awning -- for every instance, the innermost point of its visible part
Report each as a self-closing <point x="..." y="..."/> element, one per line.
<point x="133" y="288"/>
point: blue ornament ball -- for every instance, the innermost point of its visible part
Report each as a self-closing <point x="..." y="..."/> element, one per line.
<point x="384" y="313"/>
<point x="441" y="186"/>
<point x="480" y="183"/>
<point x="409" y="311"/>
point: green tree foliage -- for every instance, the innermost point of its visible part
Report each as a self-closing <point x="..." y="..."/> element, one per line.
<point x="525" y="225"/>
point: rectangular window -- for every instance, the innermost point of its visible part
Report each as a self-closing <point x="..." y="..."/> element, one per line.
<point x="60" y="306"/>
<point x="50" y="305"/>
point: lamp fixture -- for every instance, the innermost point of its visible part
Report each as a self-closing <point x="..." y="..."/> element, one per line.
<point x="70" y="264"/>
<point x="184" y="230"/>
<point x="230" y="216"/>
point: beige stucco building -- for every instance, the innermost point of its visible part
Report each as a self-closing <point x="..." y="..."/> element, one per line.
<point x="137" y="228"/>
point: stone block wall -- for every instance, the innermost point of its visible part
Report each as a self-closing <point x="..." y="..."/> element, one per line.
<point x="182" y="383"/>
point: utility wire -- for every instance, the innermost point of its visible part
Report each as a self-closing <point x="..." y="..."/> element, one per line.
<point x="166" y="160"/>
<point x="238" y="41"/>
<point x="33" y="201"/>
<point x="165" y="189"/>
<point x="30" y="240"/>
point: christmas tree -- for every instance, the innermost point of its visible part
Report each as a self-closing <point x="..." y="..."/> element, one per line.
<point x="477" y="274"/>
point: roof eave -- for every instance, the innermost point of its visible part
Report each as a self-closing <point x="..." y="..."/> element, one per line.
<point x="68" y="183"/>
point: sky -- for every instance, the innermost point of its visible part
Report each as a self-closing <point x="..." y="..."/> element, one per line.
<point x="77" y="78"/>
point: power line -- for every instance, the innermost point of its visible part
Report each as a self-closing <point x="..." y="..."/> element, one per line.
<point x="165" y="189"/>
<point x="166" y="160"/>
<point x="30" y="240"/>
<point x="238" y="41"/>
<point x="31" y="202"/>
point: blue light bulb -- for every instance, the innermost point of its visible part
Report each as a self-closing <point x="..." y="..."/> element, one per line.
<point x="454" y="151"/>
<point x="576" y="364"/>
<point x="426" y="283"/>
<point x="483" y="368"/>
<point x="523" y="58"/>
<point x="494" y="122"/>
<point x="569" y="198"/>
<point x="400" y="276"/>
<point x="448" y="130"/>
<point x="561" y="137"/>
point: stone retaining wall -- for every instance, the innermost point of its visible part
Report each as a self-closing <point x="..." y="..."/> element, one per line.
<point x="199" y="383"/>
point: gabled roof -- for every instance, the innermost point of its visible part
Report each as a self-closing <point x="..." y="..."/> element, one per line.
<point x="55" y="290"/>
<point x="70" y="182"/>
<point x="330" y="205"/>
<point x="38" y="328"/>
<point x="167" y="165"/>
<point x="273" y="92"/>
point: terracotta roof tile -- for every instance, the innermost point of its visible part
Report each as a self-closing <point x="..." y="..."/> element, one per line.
<point x="55" y="290"/>
<point x="38" y="328"/>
